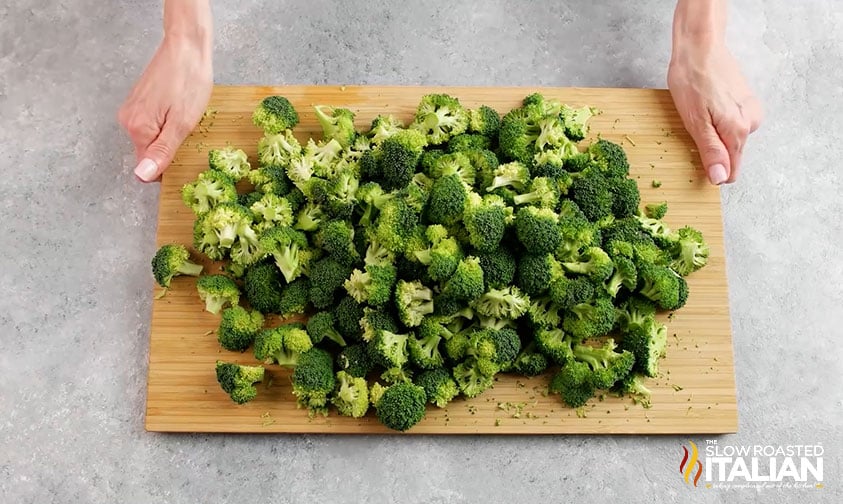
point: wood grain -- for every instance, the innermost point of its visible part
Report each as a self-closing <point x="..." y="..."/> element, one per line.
<point x="694" y="394"/>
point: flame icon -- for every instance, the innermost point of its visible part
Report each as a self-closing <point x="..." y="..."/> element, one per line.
<point x="686" y="467"/>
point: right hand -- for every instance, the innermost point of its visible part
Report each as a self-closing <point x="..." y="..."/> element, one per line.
<point x="167" y="103"/>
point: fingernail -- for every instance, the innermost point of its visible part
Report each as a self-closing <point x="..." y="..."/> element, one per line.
<point x="147" y="170"/>
<point x="717" y="174"/>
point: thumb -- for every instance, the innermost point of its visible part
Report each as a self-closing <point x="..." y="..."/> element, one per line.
<point x="713" y="152"/>
<point x="158" y="156"/>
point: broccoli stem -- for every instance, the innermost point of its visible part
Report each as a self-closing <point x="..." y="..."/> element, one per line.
<point x="189" y="268"/>
<point x="287" y="261"/>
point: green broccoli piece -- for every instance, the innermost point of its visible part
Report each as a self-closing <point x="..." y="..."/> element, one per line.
<point x="238" y="381"/>
<point x="326" y="277"/>
<point x="471" y="378"/>
<point x="262" y="286"/>
<point x="689" y="251"/>
<point x="173" y="260"/>
<point x="519" y="132"/>
<point x="508" y="303"/>
<point x="295" y="297"/>
<point x="314" y="380"/>
<point x="424" y="350"/>
<point x="543" y="313"/>
<point x="589" y="320"/>
<point x="275" y="114"/>
<point x="389" y="349"/>
<point x="662" y="285"/>
<point x="336" y="238"/>
<point x="238" y="328"/>
<point x="282" y="345"/>
<point x="498" y="267"/>
<point x="217" y="291"/>
<point x="440" y="117"/>
<point x="270" y="180"/>
<point x="395" y="224"/>
<point x="210" y="189"/>
<point x="399" y="158"/>
<point x="608" y="365"/>
<point x="233" y="162"/>
<point x="337" y="124"/>
<point x="289" y="248"/>
<point x="355" y="360"/>
<point x="226" y="223"/>
<point x="647" y="343"/>
<point x="625" y="275"/>
<point x="530" y="362"/>
<point x="448" y="198"/>
<point x="466" y="284"/>
<point x="484" y="162"/>
<point x="591" y="191"/>
<point x="348" y="313"/>
<point x="633" y="386"/>
<point x="438" y="386"/>
<point x="609" y="158"/>
<point x="413" y="301"/>
<point x="455" y="163"/>
<point x="538" y="272"/>
<point x="442" y="255"/>
<point x="485" y="121"/>
<point x="272" y="210"/>
<point x="468" y="141"/>
<point x="375" y="320"/>
<point x="577" y="232"/>
<point x="277" y="151"/>
<point x="383" y="127"/>
<point x="625" y="197"/>
<point x="593" y="262"/>
<point x="514" y="175"/>
<point x="544" y="193"/>
<point x="635" y="311"/>
<point x="538" y="229"/>
<point x="576" y="121"/>
<point x="569" y="292"/>
<point x="374" y="286"/>
<point x="656" y="210"/>
<point x="485" y="219"/>
<point x="401" y="406"/>
<point x="351" y="395"/>
<point x="574" y="383"/>
<point x="555" y="345"/>
<point x="321" y="326"/>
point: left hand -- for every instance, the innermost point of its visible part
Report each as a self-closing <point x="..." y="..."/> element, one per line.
<point x="717" y="106"/>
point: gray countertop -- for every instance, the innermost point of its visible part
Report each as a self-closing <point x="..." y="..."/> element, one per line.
<point x="78" y="231"/>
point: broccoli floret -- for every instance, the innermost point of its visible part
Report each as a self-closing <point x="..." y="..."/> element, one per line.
<point x="424" y="350"/>
<point x="689" y="251"/>
<point x="509" y="303"/>
<point x="248" y="199"/>
<point x="336" y="237"/>
<point x="337" y="124"/>
<point x="456" y="163"/>
<point x="656" y="210"/>
<point x="485" y="121"/>
<point x="272" y="210"/>
<point x="544" y="193"/>
<point x="348" y="313"/>
<point x="440" y="117"/>
<point x="574" y="383"/>
<point x="624" y="230"/>
<point x="374" y="286"/>
<point x="609" y="158"/>
<point x="518" y="134"/>
<point x="275" y="114"/>
<point x="295" y="297"/>
<point x="375" y="320"/>
<point x="321" y="326"/>
<point x="466" y="284"/>
<point x="633" y="386"/>
<point x="589" y="320"/>
<point x="442" y="255"/>
<point x="355" y="360"/>
<point x="554" y="345"/>
<point x="371" y="197"/>
<point x="591" y="191"/>
<point x="288" y="247"/>
<point x="326" y="277"/>
<point x="210" y="189"/>
<point x="233" y="162"/>
<point x="593" y="262"/>
<point x="484" y="162"/>
<point x="238" y="328"/>
<point x="438" y="386"/>
<point x="270" y="180"/>
<point x="608" y="364"/>
<point x="173" y="260"/>
<point x="625" y="197"/>
<point x="647" y="343"/>
<point x="625" y="275"/>
<point x="485" y="220"/>
<point x="389" y="349"/>
<point x="538" y="229"/>
<point x="498" y="267"/>
<point x="417" y="192"/>
<point x="262" y="286"/>
<point x="395" y="224"/>
<point x="226" y="223"/>
<point x="635" y="311"/>
<point x="507" y="346"/>
<point x="576" y="121"/>
<point x="278" y="151"/>
<point x="514" y="175"/>
<point x="537" y="272"/>
<point x="530" y="362"/>
<point x="238" y="381"/>
<point x="351" y="395"/>
<point x="456" y="346"/>
<point x="217" y="291"/>
<point x="568" y="292"/>
<point x="470" y="379"/>
<point x="401" y="406"/>
<point x="543" y="313"/>
<point x="383" y="127"/>
<point x="468" y="141"/>
<point x="397" y="375"/>
<point x="282" y="345"/>
<point x="400" y="156"/>
<point x="544" y="105"/>
<point x="577" y="232"/>
<point x="448" y="198"/>
<point x="413" y="301"/>
<point x="662" y="285"/>
<point x="313" y="380"/>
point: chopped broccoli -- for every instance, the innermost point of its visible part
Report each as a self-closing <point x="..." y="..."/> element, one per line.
<point x="439" y="387"/>
<point x="608" y="365"/>
<point x="394" y="224"/>
<point x="375" y="320"/>
<point x="466" y="284"/>
<point x="591" y="191"/>
<point x="348" y="313"/>
<point x="272" y="210"/>
<point x="555" y="345"/>
<point x="173" y="260"/>
<point x="442" y="255"/>
<point x="530" y="362"/>
<point x="485" y="121"/>
<point x="275" y="114"/>
<point x="295" y="298"/>
<point x="514" y="175"/>
<point x="326" y="277"/>
<point x="424" y="350"/>
<point x="282" y="345"/>
<point x="538" y="229"/>
<point x="448" y="198"/>
<point x="589" y="320"/>
<point x="471" y="378"/>
<point x="576" y="121"/>
<point x="413" y="301"/>
<point x="337" y="124"/>
<point x="538" y="272"/>
<point x="689" y="251"/>
<point x="609" y="158"/>
<point x="401" y="406"/>
<point x="468" y="141"/>
<point x="233" y="162"/>
<point x="399" y="158"/>
<point x="355" y="360"/>
<point x="238" y="328"/>
<point x="238" y="381"/>
<point x="656" y="210"/>
<point x="314" y="380"/>
<point x="217" y="291"/>
<point x="262" y="286"/>
<point x="574" y="383"/>
<point x="498" y="267"/>
<point x="625" y="275"/>
<point x="389" y="349"/>
<point x="351" y="395"/>
<point x="647" y="343"/>
<point x="210" y="188"/>
<point x="289" y="248"/>
<point x="593" y="262"/>
<point x="440" y="117"/>
<point x="485" y="219"/>
<point x="509" y="303"/>
<point x="374" y="286"/>
<point x="322" y="326"/>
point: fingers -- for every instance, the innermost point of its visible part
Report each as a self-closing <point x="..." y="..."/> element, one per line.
<point x="714" y="153"/>
<point x="159" y="154"/>
<point x="734" y="135"/>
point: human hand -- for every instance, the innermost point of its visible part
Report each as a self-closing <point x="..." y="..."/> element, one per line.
<point x="168" y="100"/>
<point x="717" y="107"/>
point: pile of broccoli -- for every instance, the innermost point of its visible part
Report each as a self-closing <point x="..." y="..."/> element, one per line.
<point x="432" y="256"/>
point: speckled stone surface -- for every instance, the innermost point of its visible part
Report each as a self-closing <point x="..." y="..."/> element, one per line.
<point x="78" y="231"/>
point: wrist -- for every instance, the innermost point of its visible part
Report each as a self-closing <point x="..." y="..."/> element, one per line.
<point x="189" y="22"/>
<point x="699" y="27"/>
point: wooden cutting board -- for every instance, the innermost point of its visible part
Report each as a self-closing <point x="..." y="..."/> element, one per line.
<point x="694" y="394"/>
